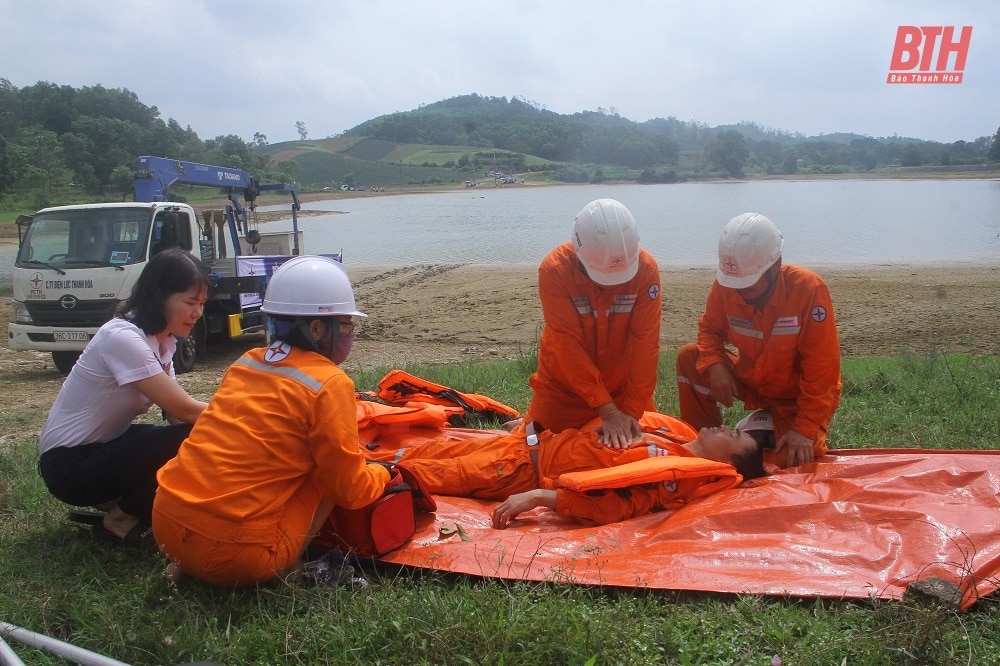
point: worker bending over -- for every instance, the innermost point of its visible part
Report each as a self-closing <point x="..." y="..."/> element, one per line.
<point x="600" y="346"/>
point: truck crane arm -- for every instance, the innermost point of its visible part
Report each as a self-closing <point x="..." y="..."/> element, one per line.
<point x="154" y="175"/>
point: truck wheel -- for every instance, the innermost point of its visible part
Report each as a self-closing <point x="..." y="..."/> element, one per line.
<point x="189" y="348"/>
<point x="65" y="360"/>
<point x="186" y="355"/>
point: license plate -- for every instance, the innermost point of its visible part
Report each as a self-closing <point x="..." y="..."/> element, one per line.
<point x="70" y="336"/>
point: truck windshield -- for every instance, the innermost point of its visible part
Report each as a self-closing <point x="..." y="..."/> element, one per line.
<point x="88" y="237"/>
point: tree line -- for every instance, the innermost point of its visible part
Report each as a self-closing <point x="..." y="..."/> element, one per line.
<point x="604" y="137"/>
<point x="58" y="136"/>
<point x="52" y="135"/>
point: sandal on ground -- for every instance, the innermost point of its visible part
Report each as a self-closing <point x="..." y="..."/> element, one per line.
<point x="332" y="569"/>
<point x="139" y="537"/>
<point x="85" y="517"/>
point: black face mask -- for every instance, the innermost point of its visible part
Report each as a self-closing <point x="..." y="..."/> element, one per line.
<point x="342" y="348"/>
<point x="334" y="345"/>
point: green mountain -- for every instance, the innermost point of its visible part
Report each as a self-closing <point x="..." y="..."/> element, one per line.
<point x="61" y="143"/>
<point x="469" y="137"/>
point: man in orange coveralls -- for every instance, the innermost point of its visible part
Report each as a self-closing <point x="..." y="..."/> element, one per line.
<point x="277" y="447"/>
<point x="599" y="349"/>
<point x="525" y="475"/>
<point x="780" y="320"/>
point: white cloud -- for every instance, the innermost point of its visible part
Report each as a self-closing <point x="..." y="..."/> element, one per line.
<point x="224" y="67"/>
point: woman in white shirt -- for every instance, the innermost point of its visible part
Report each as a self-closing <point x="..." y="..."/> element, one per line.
<point x="92" y="454"/>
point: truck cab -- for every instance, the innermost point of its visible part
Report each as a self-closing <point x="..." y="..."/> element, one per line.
<point x="75" y="264"/>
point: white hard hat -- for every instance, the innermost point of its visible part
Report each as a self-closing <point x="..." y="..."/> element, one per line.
<point x="748" y="246"/>
<point x="310" y="286"/>
<point x="759" y="419"/>
<point x="606" y="241"/>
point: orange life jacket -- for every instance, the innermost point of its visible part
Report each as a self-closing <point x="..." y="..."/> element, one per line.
<point x="717" y="476"/>
<point x="414" y="415"/>
<point x="400" y="387"/>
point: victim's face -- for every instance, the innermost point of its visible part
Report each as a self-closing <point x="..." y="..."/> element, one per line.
<point x="722" y="442"/>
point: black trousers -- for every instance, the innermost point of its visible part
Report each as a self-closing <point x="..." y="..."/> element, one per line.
<point x="92" y="474"/>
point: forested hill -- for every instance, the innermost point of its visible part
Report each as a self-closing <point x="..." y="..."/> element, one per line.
<point x="58" y="142"/>
<point x="605" y="137"/>
<point x="522" y="126"/>
<point x="54" y="136"/>
<point x="517" y="126"/>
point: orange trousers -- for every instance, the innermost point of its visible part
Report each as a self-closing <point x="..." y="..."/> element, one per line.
<point x="244" y="556"/>
<point x="490" y="469"/>
<point x="700" y="409"/>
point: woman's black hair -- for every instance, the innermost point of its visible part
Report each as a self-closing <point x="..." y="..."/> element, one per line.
<point x="749" y="462"/>
<point x="168" y="272"/>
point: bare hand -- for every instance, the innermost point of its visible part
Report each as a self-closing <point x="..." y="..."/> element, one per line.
<point x="618" y="430"/>
<point x="722" y="384"/>
<point x="511" y="426"/>
<point x="517" y="504"/>
<point x="800" y="448"/>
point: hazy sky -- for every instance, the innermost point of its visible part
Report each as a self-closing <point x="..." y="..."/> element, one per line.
<point x="224" y="67"/>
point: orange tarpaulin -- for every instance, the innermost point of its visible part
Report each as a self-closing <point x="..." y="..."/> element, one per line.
<point x="855" y="524"/>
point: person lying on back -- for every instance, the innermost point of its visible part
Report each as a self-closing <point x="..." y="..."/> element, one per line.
<point x="526" y="474"/>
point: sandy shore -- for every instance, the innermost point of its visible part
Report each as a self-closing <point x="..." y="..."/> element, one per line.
<point x="452" y="312"/>
<point x="459" y="313"/>
<point x="446" y="313"/>
<point x="449" y="313"/>
<point x="468" y="313"/>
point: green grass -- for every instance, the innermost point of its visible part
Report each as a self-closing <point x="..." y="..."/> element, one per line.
<point x="932" y="402"/>
<point x="54" y="580"/>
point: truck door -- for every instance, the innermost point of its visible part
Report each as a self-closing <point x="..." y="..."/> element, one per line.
<point x="171" y="229"/>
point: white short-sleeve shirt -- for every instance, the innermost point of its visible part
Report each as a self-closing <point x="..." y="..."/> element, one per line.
<point x="97" y="402"/>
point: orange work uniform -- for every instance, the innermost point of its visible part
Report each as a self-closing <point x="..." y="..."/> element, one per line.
<point x="501" y="466"/>
<point x="280" y="435"/>
<point x="599" y="344"/>
<point x="788" y="359"/>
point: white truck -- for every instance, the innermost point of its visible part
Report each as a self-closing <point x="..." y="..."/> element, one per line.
<point x="76" y="264"/>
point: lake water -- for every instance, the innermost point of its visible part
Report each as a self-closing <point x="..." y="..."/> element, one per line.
<point x="823" y="222"/>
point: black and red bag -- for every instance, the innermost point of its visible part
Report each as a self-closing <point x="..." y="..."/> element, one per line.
<point x="382" y="526"/>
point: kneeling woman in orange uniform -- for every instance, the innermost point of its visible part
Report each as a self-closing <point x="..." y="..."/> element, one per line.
<point x="277" y="447"/>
